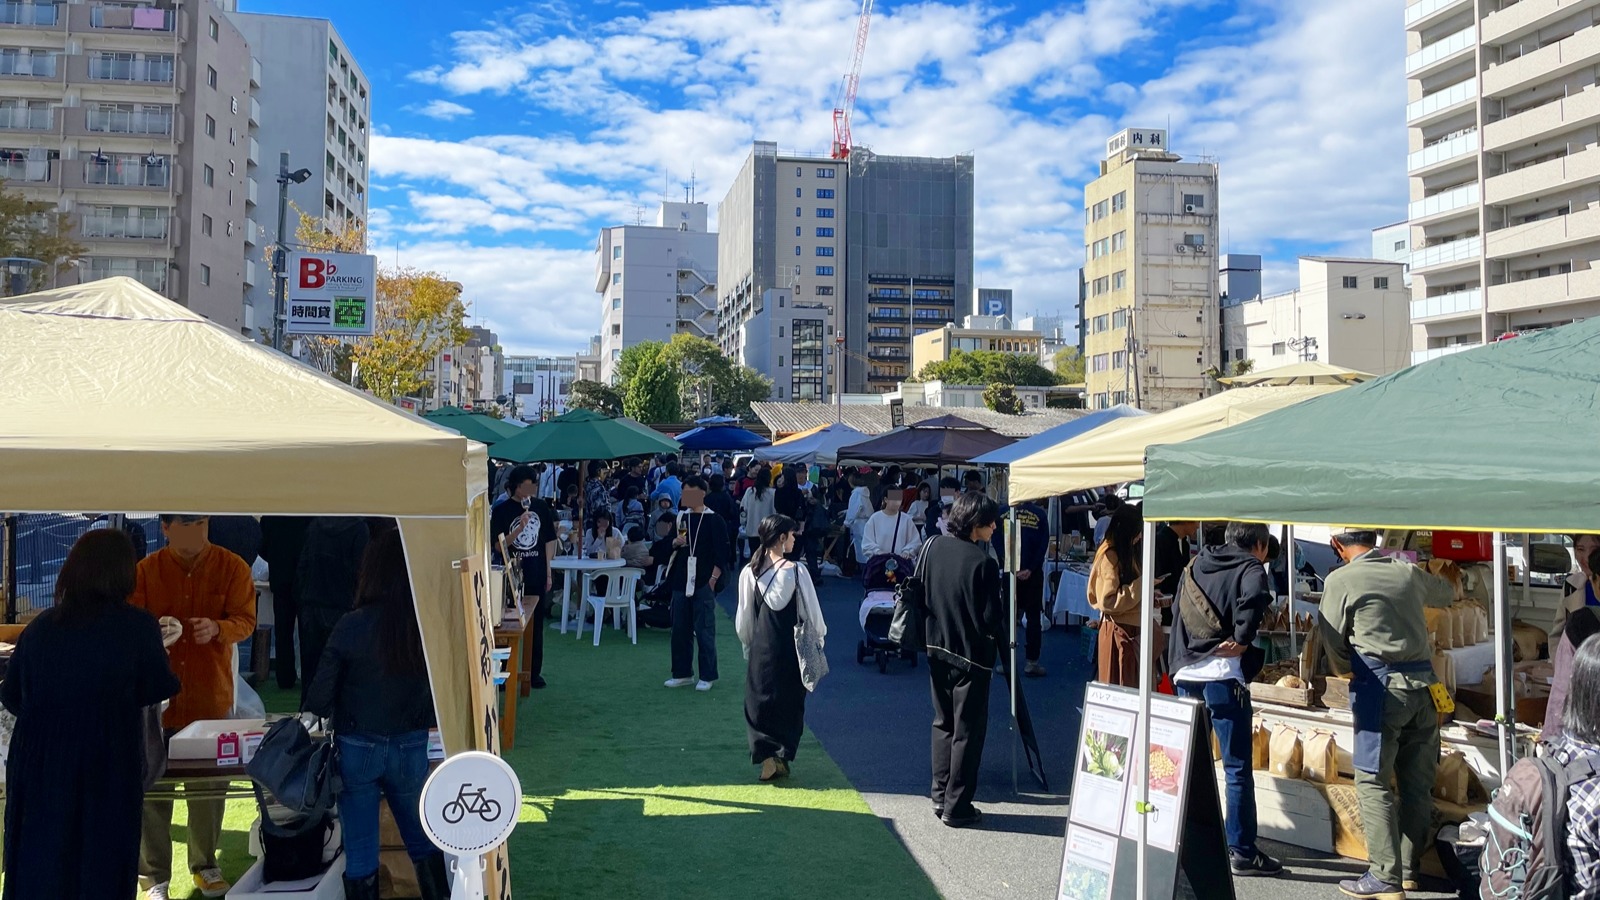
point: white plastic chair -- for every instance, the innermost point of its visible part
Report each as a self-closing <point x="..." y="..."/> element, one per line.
<point x="621" y="585"/>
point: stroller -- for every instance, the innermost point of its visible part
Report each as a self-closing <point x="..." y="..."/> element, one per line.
<point x="880" y="576"/>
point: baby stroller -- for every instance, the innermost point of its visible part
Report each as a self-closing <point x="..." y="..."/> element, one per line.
<point x="880" y="577"/>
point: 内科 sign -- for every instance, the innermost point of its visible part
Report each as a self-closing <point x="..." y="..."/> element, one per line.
<point x="331" y="293"/>
<point x="1136" y="139"/>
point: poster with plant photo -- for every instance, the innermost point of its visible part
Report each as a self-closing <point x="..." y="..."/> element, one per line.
<point x="1101" y="773"/>
<point x="1088" y="866"/>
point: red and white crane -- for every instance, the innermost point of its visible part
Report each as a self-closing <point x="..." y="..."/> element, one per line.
<point x="846" y="105"/>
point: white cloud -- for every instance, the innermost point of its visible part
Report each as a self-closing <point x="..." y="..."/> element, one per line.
<point x="444" y="110"/>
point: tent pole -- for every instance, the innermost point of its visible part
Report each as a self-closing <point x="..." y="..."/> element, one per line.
<point x="1527" y="570"/>
<point x="1147" y="660"/>
<point x="1294" y="642"/>
<point x="1013" y="558"/>
<point x="1503" y="713"/>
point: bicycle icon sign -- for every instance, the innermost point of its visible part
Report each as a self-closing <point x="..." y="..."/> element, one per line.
<point x="471" y="801"/>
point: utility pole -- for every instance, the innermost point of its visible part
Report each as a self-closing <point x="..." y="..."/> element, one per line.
<point x="280" y="253"/>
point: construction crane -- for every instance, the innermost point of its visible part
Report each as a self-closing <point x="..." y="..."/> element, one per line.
<point x="846" y="105"/>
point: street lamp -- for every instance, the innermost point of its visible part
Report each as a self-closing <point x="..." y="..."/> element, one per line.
<point x="280" y="255"/>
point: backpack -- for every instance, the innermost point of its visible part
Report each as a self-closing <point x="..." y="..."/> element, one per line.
<point x="1525" y="854"/>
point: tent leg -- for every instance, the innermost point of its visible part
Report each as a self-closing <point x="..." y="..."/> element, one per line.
<point x="1504" y="713"/>
<point x="1013" y="545"/>
<point x="1294" y="637"/>
<point x="1147" y="661"/>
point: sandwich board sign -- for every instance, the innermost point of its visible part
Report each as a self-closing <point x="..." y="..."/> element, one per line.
<point x="331" y="293"/>
<point x="469" y="806"/>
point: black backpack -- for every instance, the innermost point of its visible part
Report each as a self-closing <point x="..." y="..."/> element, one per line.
<point x="1525" y="854"/>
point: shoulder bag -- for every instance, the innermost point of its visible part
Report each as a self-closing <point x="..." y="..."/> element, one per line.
<point x="906" y="626"/>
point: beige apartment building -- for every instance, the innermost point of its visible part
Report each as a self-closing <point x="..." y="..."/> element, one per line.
<point x="1150" y="276"/>
<point x="936" y="345"/>
<point x="135" y="120"/>
<point x="1504" y="123"/>
<point x="1346" y="312"/>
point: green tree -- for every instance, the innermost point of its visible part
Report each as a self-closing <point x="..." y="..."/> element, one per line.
<point x="35" y="229"/>
<point x="1002" y="398"/>
<point x="703" y="373"/>
<point x="602" y="398"/>
<point x="651" y="393"/>
<point x="742" y="387"/>
<point x="988" y="367"/>
<point x="419" y="316"/>
<point x="628" y="362"/>
<point x="1068" y="363"/>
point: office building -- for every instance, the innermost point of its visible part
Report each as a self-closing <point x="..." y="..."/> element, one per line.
<point x="989" y="333"/>
<point x="486" y="371"/>
<point x="655" y="281"/>
<point x="1151" y="275"/>
<point x="1238" y="278"/>
<point x="1346" y="312"/>
<point x="132" y="120"/>
<point x="314" y="103"/>
<point x="537" y="387"/>
<point x="991" y="301"/>
<point x="780" y="225"/>
<point x="786" y="340"/>
<point x="909" y="253"/>
<point x="587" y="364"/>
<point x="1393" y="243"/>
<point x="1054" y="335"/>
<point x="1504" y="167"/>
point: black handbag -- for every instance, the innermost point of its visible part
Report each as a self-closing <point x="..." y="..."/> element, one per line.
<point x="906" y="625"/>
<point x="302" y="775"/>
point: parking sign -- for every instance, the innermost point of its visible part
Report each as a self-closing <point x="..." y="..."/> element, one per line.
<point x="331" y="293"/>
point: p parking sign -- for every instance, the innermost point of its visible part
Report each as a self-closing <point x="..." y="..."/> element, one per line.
<point x="331" y="293"/>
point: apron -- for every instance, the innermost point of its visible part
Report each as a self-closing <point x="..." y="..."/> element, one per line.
<point x="1369" y="686"/>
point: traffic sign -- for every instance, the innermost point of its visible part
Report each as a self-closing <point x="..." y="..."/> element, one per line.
<point x="470" y="803"/>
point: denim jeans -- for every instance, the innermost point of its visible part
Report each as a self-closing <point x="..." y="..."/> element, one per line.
<point x="396" y="766"/>
<point x="1229" y="705"/>
<point x="694" y="622"/>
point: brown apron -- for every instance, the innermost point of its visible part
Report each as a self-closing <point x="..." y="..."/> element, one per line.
<point x="1119" y="653"/>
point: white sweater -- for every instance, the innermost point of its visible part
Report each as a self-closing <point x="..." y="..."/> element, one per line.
<point x="756" y="509"/>
<point x="777" y="588"/>
<point x="880" y="535"/>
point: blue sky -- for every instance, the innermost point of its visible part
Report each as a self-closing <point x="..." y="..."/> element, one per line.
<point x="507" y="135"/>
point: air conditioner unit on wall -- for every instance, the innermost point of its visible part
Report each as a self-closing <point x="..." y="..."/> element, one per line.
<point x="1190" y="208"/>
<point x="1181" y="248"/>
<point x="1154" y="370"/>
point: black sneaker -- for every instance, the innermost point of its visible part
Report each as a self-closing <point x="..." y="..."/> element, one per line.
<point x="1368" y="887"/>
<point x="1255" y="865"/>
<point x="969" y="820"/>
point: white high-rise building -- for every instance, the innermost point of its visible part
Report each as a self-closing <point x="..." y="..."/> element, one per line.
<point x="1504" y="166"/>
<point x="656" y="281"/>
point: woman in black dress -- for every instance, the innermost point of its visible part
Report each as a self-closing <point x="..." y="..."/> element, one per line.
<point x="81" y="675"/>
<point x="775" y="596"/>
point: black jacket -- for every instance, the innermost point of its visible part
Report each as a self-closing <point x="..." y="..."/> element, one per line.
<point x="965" y="616"/>
<point x="1172" y="554"/>
<point x="1236" y="584"/>
<point x="722" y="503"/>
<point x="353" y="690"/>
<point x="330" y="562"/>
<point x="710" y="548"/>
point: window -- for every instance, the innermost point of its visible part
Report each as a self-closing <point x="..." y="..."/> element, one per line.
<point x="1279" y="348"/>
<point x="1119" y="319"/>
<point x="824" y="270"/>
<point x="824" y="173"/>
<point x="211" y="77"/>
<point x="1119" y="241"/>
<point x="825" y="231"/>
<point x="1198" y="201"/>
<point x="1119" y="201"/>
<point x="1399" y="245"/>
<point x="824" y="251"/>
<point x="205" y="225"/>
<point x="1100" y="248"/>
<point x="205" y="270"/>
<point x="799" y="172"/>
<point x="780" y="355"/>
<point x="796" y="249"/>
<point x="1102" y="362"/>
<point x="824" y="193"/>
<point x="799" y="192"/>
<point x="1195" y="240"/>
<point x="616" y="277"/>
<point x="1119" y="280"/>
<point x="616" y="252"/>
<point x="1380" y="283"/>
<point x="616" y="330"/>
<point x="797" y="231"/>
<point x="1101" y="323"/>
<point x="798" y="212"/>
<point x="616" y="302"/>
<point x="211" y="127"/>
<point x="824" y="290"/>
<point x="1101" y="285"/>
<point x="1351" y="282"/>
<point x="824" y="212"/>
<point x="209" y="175"/>
<point x="780" y="334"/>
<point x="212" y="29"/>
<point x="1119" y="359"/>
<point x="1099" y="211"/>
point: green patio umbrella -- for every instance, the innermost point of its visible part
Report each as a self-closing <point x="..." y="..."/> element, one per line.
<point x="473" y="426"/>
<point x="583" y="435"/>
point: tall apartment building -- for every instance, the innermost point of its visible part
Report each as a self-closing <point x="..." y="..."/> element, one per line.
<point x="786" y="340"/>
<point x="1150" y="275"/>
<point x="909" y="249"/>
<point x="133" y="119"/>
<point x="315" y="103"/>
<point x="1346" y="312"/>
<point x="780" y="225"/>
<point x="655" y="281"/>
<point x="1504" y="168"/>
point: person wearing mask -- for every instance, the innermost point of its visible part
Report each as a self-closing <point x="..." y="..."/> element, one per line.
<point x="758" y="503"/>
<point x="775" y="597"/>
<point x="1221" y="599"/>
<point x="210" y="591"/>
<point x="282" y="540"/>
<point x="373" y="685"/>
<point x="949" y="488"/>
<point x="1579" y="739"/>
<point x="1372" y="626"/>
<point x="963" y="632"/>
<point x="719" y="501"/>
<point x="918" y="510"/>
<point x="670" y="486"/>
<point x="79" y="681"/>
<point x="700" y="555"/>
<point x="528" y="526"/>
<point x="1114" y="585"/>
<point x="890" y="531"/>
<point x="856" y="515"/>
<point x="1034" y="536"/>
<point x="325" y="584"/>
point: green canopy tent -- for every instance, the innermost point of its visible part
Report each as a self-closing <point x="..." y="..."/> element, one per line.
<point x="473" y="426"/>
<point x="583" y="434"/>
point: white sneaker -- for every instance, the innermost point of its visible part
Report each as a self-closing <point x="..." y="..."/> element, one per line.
<point x="704" y="686"/>
<point x="160" y="891"/>
<point x="680" y="682"/>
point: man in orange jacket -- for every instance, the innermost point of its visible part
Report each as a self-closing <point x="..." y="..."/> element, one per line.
<point x="208" y="590"/>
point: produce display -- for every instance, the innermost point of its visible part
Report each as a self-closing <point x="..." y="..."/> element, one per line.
<point x="1165" y="765"/>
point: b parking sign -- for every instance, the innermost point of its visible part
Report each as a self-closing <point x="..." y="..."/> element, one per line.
<point x="331" y="293"/>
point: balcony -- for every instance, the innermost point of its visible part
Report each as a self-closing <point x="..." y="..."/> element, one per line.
<point x="253" y="236"/>
<point x="152" y="273"/>
<point x="255" y="111"/>
<point x="1458" y="199"/>
<point x="31" y="171"/>
<point x="27" y="118"/>
<point x="1543" y="64"/>
<point x="255" y="72"/>
<point x="28" y="66"/>
<point x="123" y="228"/>
<point x="1564" y="173"/>
<point x="885" y="377"/>
<point x="126" y="20"/>
<point x="1449" y="253"/>
<point x="1573" y="111"/>
<point x="1422" y="356"/>
<point x="30" y="15"/>
<point x="122" y="171"/>
<point x="890" y="318"/>
<point x="251" y="192"/>
<point x="1456" y="149"/>
<point x="1551" y="290"/>
<point x="933" y="301"/>
<point x="880" y="337"/>
<point x="1581" y="226"/>
<point x="249" y="273"/>
<point x="160" y="70"/>
<point x="255" y="153"/>
<point x="1453" y="304"/>
<point x="95" y="121"/>
<point x="1419" y="12"/>
<point x="1520" y="20"/>
<point x="899" y="356"/>
<point x="1456" y="96"/>
<point x="1449" y="48"/>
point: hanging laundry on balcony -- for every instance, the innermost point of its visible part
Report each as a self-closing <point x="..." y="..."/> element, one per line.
<point x="116" y="17"/>
<point x="151" y="18"/>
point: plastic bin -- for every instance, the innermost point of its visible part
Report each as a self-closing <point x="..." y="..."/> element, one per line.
<point x="329" y="887"/>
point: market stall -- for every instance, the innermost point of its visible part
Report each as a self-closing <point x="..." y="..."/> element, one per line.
<point x="941" y="441"/>
<point x="819" y="446"/>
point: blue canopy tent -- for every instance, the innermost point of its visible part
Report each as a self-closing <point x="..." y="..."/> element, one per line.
<point x="720" y="437"/>
<point x="1005" y="456"/>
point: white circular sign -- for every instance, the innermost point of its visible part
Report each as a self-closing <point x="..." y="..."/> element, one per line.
<point x="471" y="803"/>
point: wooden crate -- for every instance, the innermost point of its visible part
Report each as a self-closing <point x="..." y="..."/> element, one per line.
<point x="1271" y="693"/>
<point x="1336" y="692"/>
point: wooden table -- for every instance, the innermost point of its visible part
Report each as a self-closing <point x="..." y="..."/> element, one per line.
<point x="215" y="782"/>
<point x="512" y="632"/>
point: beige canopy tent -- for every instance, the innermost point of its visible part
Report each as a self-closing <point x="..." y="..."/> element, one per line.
<point x="1114" y="452"/>
<point x="115" y="399"/>
<point x="1309" y="372"/>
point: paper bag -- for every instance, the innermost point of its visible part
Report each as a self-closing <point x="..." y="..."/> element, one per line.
<point x="1459" y="618"/>
<point x="1481" y="616"/>
<point x="1285" y="755"/>
<point x="1450" y="781"/>
<point x="1440" y="626"/>
<point x="613" y="548"/>
<point x="1444" y="666"/>
<point x="1321" y="755"/>
<point x="1260" y="747"/>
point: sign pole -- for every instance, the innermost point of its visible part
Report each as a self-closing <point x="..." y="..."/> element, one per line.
<point x="469" y="806"/>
